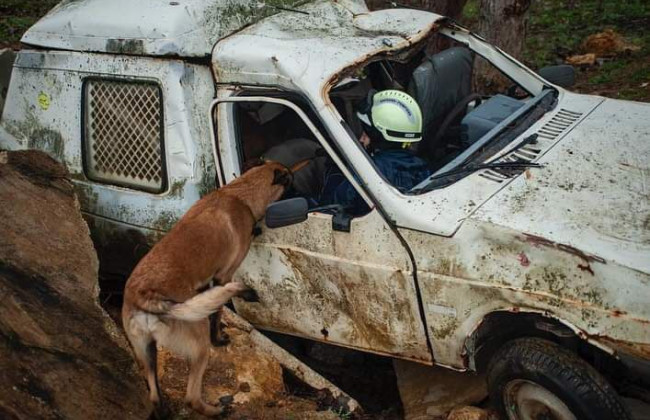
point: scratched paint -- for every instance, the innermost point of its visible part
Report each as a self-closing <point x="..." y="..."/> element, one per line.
<point x="479" y="271"/>
<point x="349" y="288"/>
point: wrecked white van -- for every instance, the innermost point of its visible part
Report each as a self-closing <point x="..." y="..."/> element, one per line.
<point x="526" y="253"/>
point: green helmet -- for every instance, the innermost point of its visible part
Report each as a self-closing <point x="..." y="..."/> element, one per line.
<point x="395" y="115"/>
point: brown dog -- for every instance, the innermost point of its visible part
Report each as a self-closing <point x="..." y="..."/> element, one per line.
<point x="162" y="304"/>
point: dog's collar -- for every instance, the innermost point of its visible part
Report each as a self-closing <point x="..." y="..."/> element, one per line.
<point x="257" y="231"/>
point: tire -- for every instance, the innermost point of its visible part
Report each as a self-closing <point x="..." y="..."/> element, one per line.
<point x="532" y="378"/>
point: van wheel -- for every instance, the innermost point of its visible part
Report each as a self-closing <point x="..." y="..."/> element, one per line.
<point x="532" y="378"/>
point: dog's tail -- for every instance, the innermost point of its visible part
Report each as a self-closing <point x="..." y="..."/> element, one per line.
<point x="202" y="305"/>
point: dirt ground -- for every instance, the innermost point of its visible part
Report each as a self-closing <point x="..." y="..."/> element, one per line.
<point x="262" y="390"/>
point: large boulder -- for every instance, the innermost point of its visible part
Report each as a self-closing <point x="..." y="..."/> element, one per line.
<point x="61" y="356"/>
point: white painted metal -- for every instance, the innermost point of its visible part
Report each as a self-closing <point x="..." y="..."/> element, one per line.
<point x="184" y="28"/>
<point x="303" y="52"/>
<point x="593" y="191"/>
<point x="354" y="289"/>
<point x="43" y="111"/>
<point x="315" y="282"/>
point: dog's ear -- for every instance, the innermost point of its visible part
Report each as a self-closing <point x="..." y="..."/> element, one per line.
<point x="282" y="177"/>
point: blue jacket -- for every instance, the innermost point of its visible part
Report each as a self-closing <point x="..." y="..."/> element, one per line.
<point x="400" y="167"/>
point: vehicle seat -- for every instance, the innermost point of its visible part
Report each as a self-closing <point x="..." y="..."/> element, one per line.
<point x="441" y="82"/>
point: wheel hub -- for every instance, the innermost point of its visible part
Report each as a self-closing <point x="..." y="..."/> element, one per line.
<point x="526" y="400"/>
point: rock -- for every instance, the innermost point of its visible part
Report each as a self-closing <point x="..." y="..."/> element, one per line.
<point x="61" y="356"/>
<point x="582" y="60"/>
<point x="432" y="392"/>
<point x="248" y="376"/>
<point x="468" y="413"/>
<point x="231" y="366"/>
<point x="607" y="44"/>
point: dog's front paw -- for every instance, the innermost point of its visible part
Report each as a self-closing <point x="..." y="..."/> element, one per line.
<point x="249" y="295"/>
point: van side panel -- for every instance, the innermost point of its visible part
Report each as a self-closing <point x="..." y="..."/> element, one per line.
<point x="44" y="111"/>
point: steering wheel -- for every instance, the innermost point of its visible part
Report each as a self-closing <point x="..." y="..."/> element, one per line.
<point x="455" y="112"/>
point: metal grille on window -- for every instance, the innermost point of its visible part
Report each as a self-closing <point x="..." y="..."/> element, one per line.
<point x="124" y="134"/>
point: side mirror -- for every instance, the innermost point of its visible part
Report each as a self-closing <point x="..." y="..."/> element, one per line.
<point x="286" y="212"/>
<point x="563" y="75"/>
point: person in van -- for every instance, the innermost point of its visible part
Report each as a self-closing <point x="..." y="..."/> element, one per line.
<point x="392" y="124"/>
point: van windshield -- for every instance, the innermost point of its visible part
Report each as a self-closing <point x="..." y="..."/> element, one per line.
<point x="490" y="143"/>
<point x="464" y="119"/>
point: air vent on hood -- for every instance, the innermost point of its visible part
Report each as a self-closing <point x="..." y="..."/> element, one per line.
<point x="560" y="122"/>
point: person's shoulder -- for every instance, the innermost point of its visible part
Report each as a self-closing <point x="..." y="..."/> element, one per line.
<point x="398" y="158"/>
<point x="394" y="155"/>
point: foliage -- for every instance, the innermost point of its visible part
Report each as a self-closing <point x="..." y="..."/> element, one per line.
<point x="18" y="15"/>
<point x="557" y="29"/>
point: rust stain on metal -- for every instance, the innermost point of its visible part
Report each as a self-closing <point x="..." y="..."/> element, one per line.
<point x="539" y="241"/>
<point x="586" y="267"/>
<point x="523" y="259"/>
<point x="640" y="350"/>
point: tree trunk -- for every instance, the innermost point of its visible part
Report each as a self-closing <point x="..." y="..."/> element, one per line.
<point x="503" y="23"/>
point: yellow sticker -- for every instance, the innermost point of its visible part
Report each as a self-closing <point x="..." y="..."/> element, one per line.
<point x="44" y="101"/>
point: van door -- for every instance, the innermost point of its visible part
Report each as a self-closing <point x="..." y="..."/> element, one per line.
<point x="352" y="288"/>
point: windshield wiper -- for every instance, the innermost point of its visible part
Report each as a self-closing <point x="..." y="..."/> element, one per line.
<point x="454" y="174"/>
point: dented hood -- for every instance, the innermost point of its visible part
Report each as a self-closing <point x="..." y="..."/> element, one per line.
<point x="304" y="49"/>
<point x="593" y="192"/>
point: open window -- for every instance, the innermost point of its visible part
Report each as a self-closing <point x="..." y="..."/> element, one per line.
<point x="272" y="131"/>
<point x="465" y="120"/>
<point x="284" y="129"/>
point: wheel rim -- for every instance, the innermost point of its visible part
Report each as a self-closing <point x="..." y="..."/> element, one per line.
<point x="526" y="400"/>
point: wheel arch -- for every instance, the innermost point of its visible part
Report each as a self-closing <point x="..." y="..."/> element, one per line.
<point x="497" y="327"/>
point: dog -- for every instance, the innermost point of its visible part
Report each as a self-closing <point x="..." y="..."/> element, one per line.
<point x="163" y="303"/>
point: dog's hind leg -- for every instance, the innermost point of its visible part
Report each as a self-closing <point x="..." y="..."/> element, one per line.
<point x="198" y="364"/>
<point x="144" y="347"/>
<point x="197" y="348"/>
